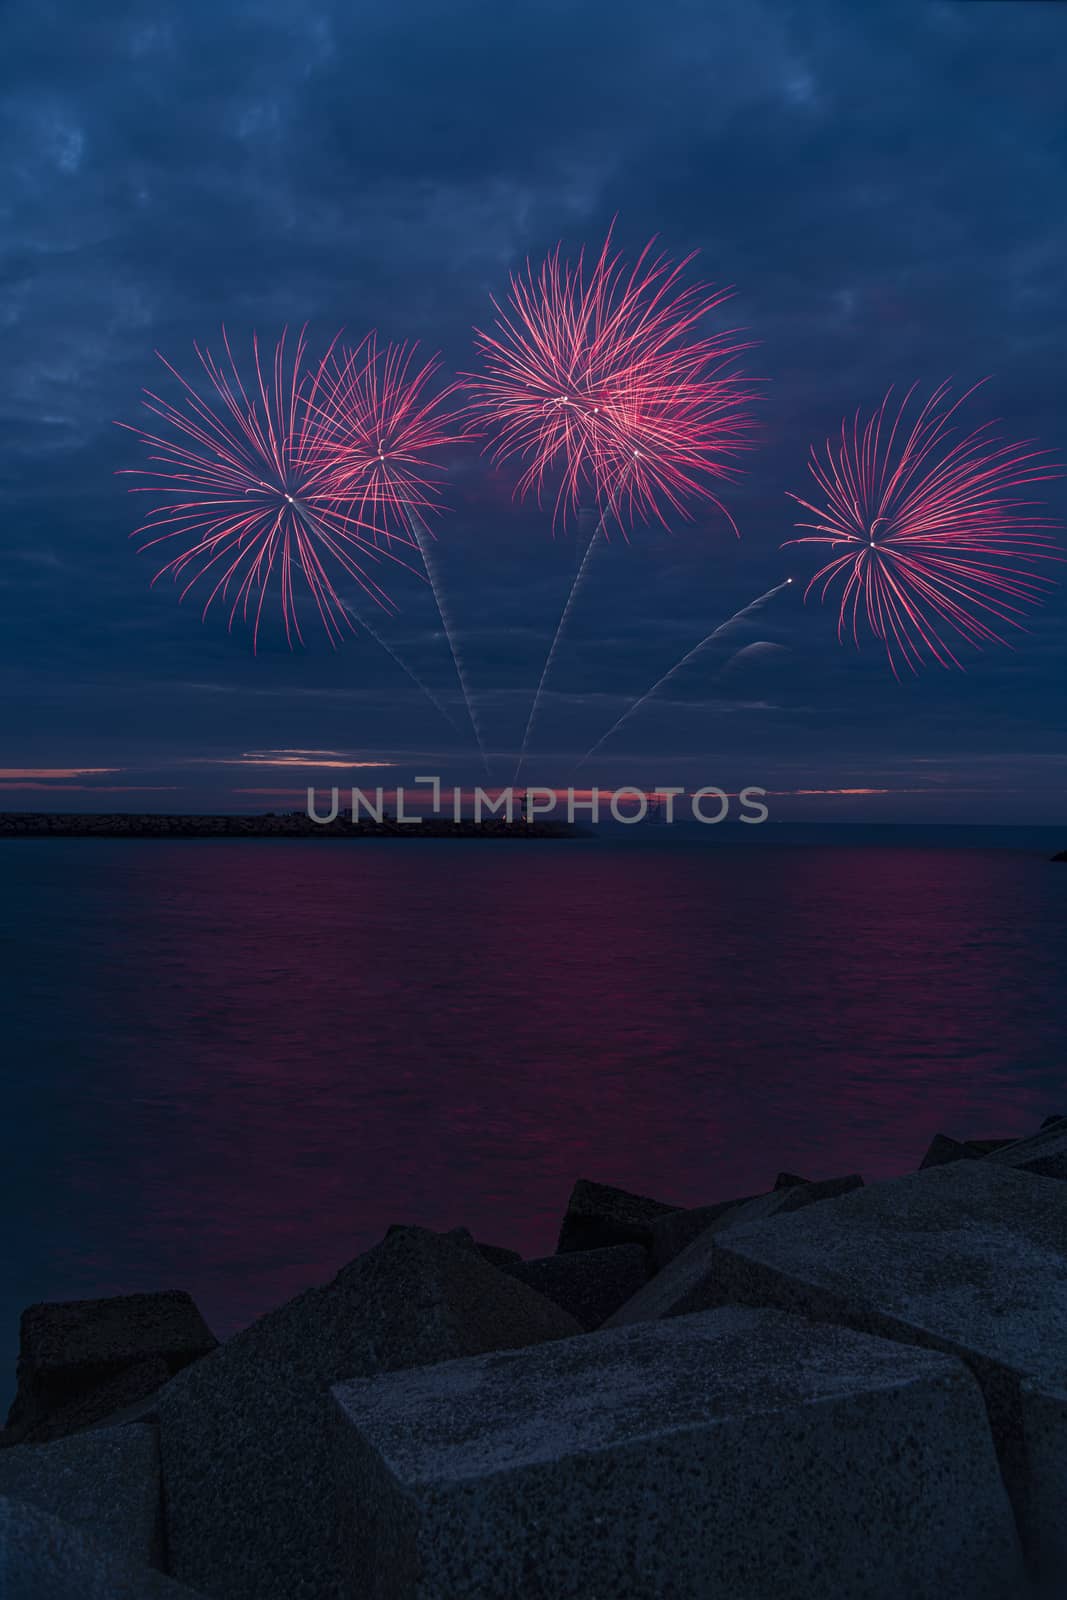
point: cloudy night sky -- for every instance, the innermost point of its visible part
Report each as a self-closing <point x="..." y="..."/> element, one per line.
<point x="885" y="186"/>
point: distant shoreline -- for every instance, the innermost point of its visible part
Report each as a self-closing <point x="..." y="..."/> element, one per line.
<point x="292" y="825"/>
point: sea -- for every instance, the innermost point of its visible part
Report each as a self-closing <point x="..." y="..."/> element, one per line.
<point x="229" y="1066"/>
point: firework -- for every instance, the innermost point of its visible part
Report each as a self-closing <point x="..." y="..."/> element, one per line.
<point x="598" y="376"/>
<point x="247" y="499"/>
<point x="378" y="420"/>
<point x="934" y="547"/>
<point x="377" y="423"/>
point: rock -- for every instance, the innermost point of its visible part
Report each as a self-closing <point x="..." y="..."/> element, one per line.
<point x="788" y="1180"/>
<point x="1044" y="1154"/>
<point x="671" y="1234"/>
<point x="598" y="1215"/>
<point x="126" y="1396"/>
<point x="247" y="1502"/>
<point x="496" y="1254"/>
<point x="737" y="1454"/>
<point x="106" y="1482"/>
<point x="590" y="1284"/>
<point x="969" y="1258"/>
<point x="1050" y="1120"/>
<point x="68" y="1349"/>
<point x="689" y="1282"/>
<point x="943" y="1149"/>
<point x="41" y="1558"/>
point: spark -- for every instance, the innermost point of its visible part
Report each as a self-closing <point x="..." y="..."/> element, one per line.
<point x="934" y="547"/>
<point x="598" y="375"/>
<point x="243" y="494"/>
<point x="381" y="420"/>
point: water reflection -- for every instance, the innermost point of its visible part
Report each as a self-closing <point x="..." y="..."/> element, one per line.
<point x="232" y="1066"/>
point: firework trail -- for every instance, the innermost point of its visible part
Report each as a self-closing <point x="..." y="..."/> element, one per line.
<point x="424" y="538"/>
<point x="358" y="618"/>
<point x="931" y="539"/>
<point x="380" y="419"/>
<point x="576" y="586"/>
<point x="690" y="655"/>
<point x="244" y="495"/>
<point x="597" y="375"/>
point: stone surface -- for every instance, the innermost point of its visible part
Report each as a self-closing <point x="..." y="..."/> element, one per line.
<point x="106" y="1482"/>
<point x="942" y="1149"/>
<point x="248" y="1504"/>
<point x="590" y="1284"/>
<point x="42" y="1558"/>
<point x="969" y="1258"/>
<point x="68" y="1349"/>
<point x="121" y="1398"/>
<point x="598" y="1215"/>
<point x="497" y="1254"/>
<point x="688" y="1282"/>
<point x="672" y="1233"/>
<point x="739" y="1455"/>
<point x="1044" y="1154"/>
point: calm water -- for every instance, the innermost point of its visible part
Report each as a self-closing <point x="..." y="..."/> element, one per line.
<point x="228" y="1067"/>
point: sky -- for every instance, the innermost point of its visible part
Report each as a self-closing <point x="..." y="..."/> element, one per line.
<point x="884" y="185"/>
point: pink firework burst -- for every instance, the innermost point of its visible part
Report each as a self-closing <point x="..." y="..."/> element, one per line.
<point x="934" y="546"/>
<point x="245" y="498"/>
<point x="378" y="421"/>
<point x="598" y="376"/>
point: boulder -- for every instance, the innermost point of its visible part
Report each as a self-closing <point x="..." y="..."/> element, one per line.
<point x="942" y="1149"/>
<point x="689" y="1282"/>
<point x="968" y="1258"/>
<point x="247" y="1503"/>
<point x="497" y="1254"/>
<point x="737" y="1454"/>
<point x="124" y="1397"/>
<point x="1044" y="1154"/>
<point x="42" y="1558"/>
<point x="590" y="1284"/>
<point x="671" y="1234"/>
<point x="598" y="1215"/>
<point x="68" y="1349"/>
<point x="106" y="1482"/>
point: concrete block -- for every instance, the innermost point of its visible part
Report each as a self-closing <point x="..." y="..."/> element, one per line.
<point x="968" y="1258"/>
<point x="734" y="1455"/>
<point x="599" y="1215"/>
<point x="105" y="1481"/>
<point x="41" y="1558"/>
<point x="688" y="1282"/>
<point x="590" y="1284"/>
<point x="1044" y="1153"/>
<point x="246" y="1495"/>
<point x="67" y="1349"/>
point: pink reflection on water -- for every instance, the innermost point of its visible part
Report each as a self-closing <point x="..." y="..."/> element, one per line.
<point x="302" y="1044"/>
